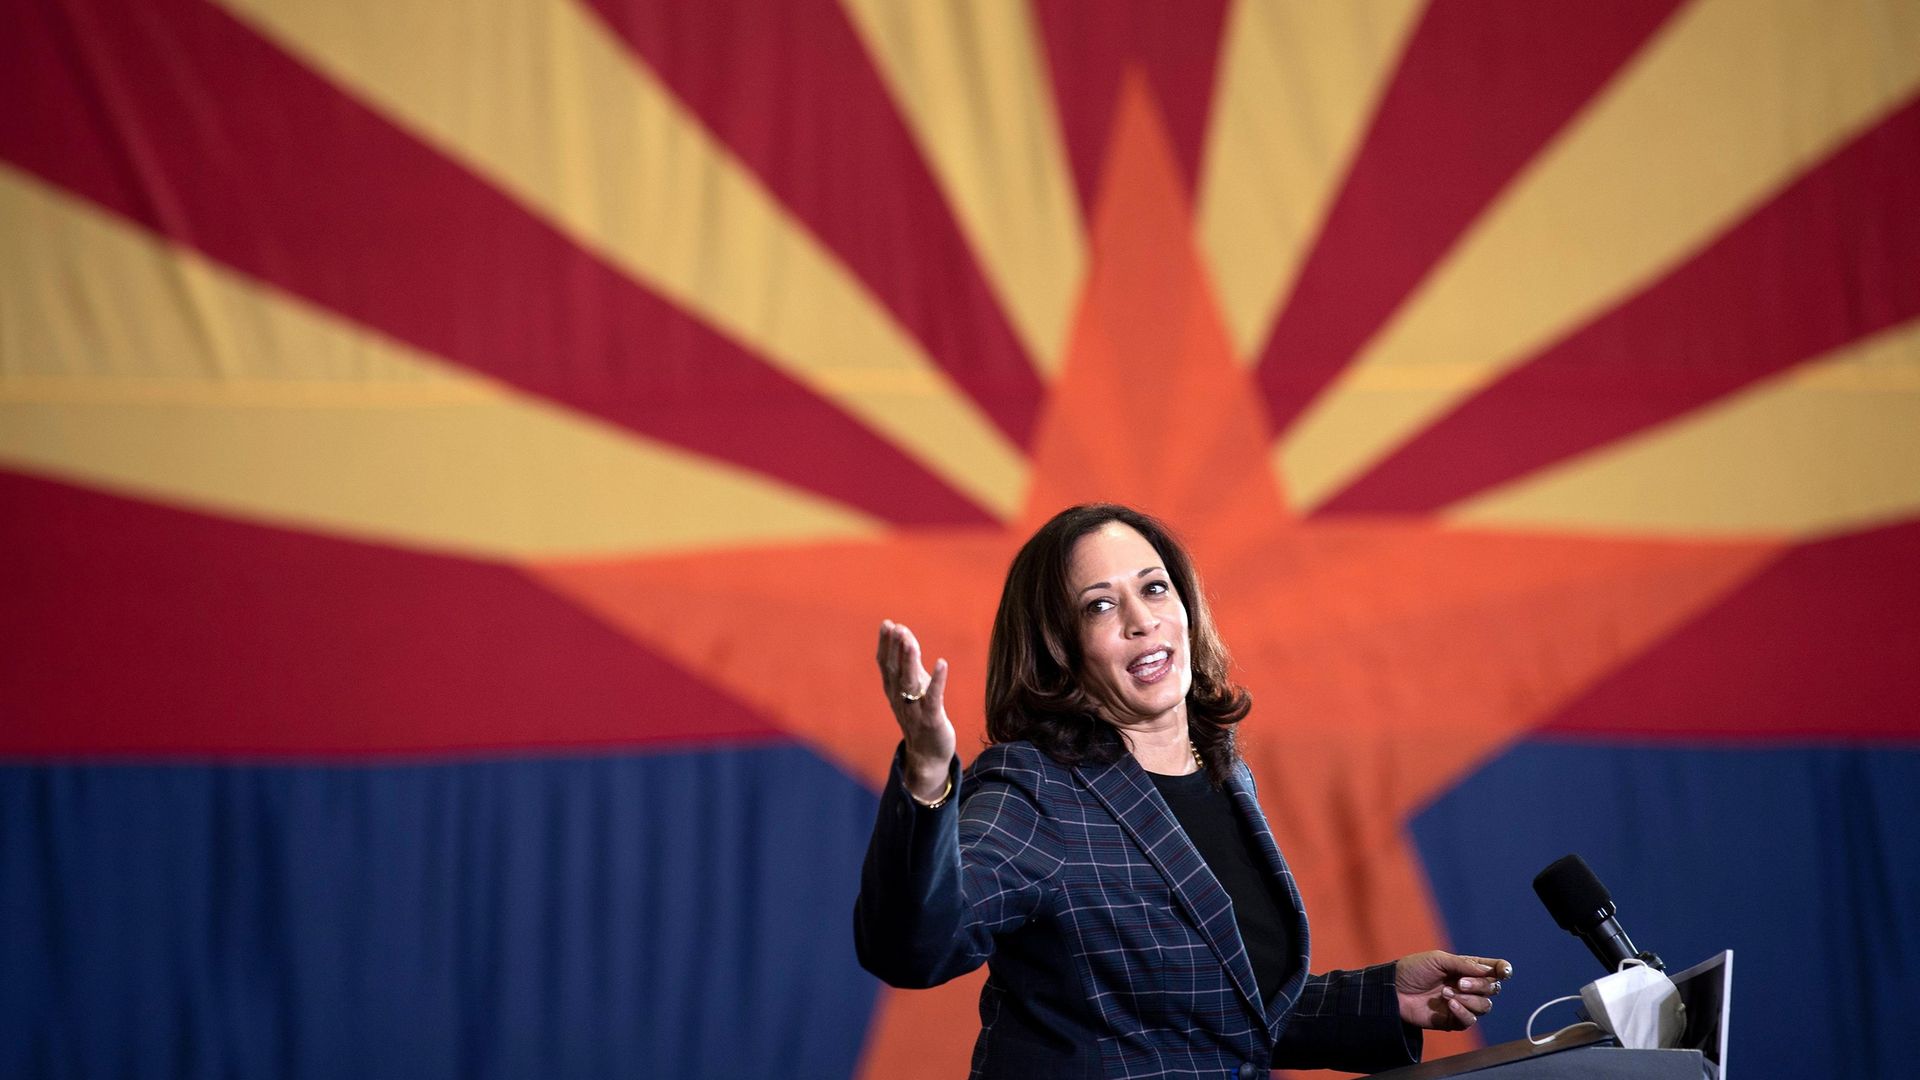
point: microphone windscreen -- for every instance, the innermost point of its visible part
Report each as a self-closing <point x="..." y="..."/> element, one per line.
<point x="1571" y="892"/>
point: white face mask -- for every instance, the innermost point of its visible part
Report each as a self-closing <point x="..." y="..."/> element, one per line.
<point x="1636" y="1005"/>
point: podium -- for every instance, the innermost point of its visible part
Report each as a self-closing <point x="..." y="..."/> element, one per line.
<point x="1706" y="989"/>
<point x="1577" y="1055"/>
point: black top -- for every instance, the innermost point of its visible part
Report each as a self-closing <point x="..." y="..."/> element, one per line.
<point x="1206" y="815"/>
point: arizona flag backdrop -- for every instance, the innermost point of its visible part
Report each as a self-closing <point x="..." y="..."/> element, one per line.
<point x="454" y="459"/>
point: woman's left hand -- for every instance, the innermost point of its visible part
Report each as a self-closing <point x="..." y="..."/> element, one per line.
<point x="1445" y="992"/>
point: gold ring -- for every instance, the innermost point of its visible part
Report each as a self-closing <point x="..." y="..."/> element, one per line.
<point x="904" y="696"/>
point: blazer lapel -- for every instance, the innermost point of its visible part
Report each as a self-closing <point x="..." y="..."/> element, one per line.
<point x="1129" y="795"/>
<point x="1240" y="788"/>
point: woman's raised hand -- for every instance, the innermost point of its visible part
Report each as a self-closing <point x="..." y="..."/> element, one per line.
<point x="919" y="706"/>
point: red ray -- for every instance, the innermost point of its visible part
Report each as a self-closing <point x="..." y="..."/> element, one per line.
<point x="1824" y="645"/>
<point x="1480" y="89"/>
<point x="1091" y="47"/>
<point x="121" y="619"/>
<point x="1763" y="297"/>
<point x="792" y="92"/>
<point x="180" y="118"/>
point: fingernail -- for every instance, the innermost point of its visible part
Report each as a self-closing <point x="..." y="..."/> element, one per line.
<point x="1446" y="991"/>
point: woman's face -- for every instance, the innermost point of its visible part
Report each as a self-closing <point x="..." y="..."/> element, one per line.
<point x="1134" y="653"/>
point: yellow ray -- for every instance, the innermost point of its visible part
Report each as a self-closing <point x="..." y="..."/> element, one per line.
<point x="132" y="365"/>
<point x="1827" y="446"/>
<point x="972" y="83"/>
<point x="539" y="98"/>
<point x="1298" y="83"/>
<point x="1729" y="103"/>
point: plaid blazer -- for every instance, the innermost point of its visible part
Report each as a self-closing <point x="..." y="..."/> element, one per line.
<point x="1112" y="949"/>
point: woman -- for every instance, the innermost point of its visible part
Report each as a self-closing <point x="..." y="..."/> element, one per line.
<point x="1105" y="855"/>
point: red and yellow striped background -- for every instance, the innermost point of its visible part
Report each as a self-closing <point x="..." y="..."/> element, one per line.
<point x="421" y="380"/>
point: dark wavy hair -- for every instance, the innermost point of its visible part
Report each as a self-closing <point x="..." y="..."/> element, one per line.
<point x="1033" y="661"/>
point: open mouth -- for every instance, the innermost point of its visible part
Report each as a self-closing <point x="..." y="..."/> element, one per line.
<point x="1151" y="667"/>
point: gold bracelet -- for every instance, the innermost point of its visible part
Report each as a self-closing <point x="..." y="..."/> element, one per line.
<point x="937" y="803"/>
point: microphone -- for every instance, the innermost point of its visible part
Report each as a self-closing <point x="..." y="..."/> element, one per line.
<point x="1583" y="907"/>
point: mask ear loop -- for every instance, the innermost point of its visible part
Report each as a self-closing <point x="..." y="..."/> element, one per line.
<point x="1549" y="1038"/>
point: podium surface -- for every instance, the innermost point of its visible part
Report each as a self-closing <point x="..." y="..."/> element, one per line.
<point x="1579" y="1055"/>
<point x="1585" y="1051"/>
